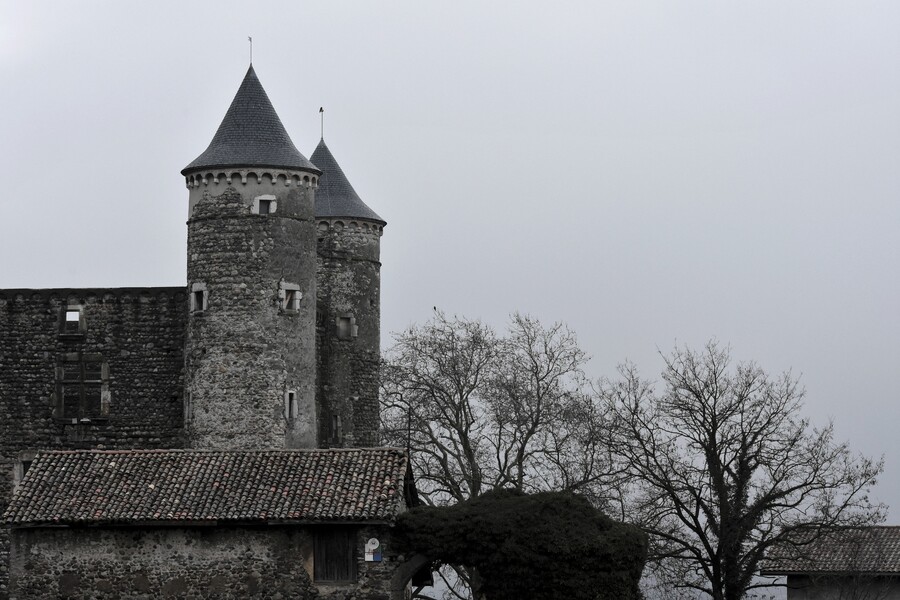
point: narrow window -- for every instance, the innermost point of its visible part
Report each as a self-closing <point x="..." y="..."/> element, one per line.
<point x="199" y="297"/>
<point x="21" y="466"/>
<point x="264" y="206"/>
<point x="188" y="408"/>
<point x="337" y="429"/>
<point x="334" y="555"/>
<point x="290" y="405"/>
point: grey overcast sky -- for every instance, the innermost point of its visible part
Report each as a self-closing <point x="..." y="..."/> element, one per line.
<point x="650" y="172"/>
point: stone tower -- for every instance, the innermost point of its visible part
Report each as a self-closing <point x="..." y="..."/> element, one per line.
<point x="348" y="308"/>
<point x="250" y="365"/>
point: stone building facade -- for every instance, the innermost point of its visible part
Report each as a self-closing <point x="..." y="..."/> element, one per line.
<point x="273" y="343"/>
<point x="209" y="524"/>
<point x="847" y="563"/>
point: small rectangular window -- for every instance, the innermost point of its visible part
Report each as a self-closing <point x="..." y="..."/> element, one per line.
<point x="337" y="429"/>
<point x="72" y="321"/>
<point x="334" y="558"/>
<point x="290" y="295"/>
<point x="264" y="205"/>
<point x="346" y="327"/>
<point x="199" y="297"/>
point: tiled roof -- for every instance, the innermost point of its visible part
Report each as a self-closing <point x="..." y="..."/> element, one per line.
<point x="335" y="197"/>
<point x="172" y="486"/>
<point x="251" y="135"/>
<point x="846" y="550"/>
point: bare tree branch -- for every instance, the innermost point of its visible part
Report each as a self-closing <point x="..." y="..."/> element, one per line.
<point x="724" y="467"/>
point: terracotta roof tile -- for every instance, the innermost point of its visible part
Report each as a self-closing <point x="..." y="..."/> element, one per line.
<point x="848" y="550"/>
<point x="170" y="486"/>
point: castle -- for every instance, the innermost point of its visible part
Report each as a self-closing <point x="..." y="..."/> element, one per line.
<point x="230" y="424"/>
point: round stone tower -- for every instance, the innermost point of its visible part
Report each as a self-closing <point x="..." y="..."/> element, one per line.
<point x="250" y="362"/>
<point x="348" y="295"/>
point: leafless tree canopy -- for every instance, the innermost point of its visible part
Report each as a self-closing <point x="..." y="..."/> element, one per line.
<point x="482" y="411"/>
<point x="723" y="467"/>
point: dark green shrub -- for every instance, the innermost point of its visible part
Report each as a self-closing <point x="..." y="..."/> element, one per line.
<point x="551" y="545"/>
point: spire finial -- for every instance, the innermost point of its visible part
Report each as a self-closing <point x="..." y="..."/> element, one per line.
<point x="322" y="121"/>
<point x="250" y="39"/>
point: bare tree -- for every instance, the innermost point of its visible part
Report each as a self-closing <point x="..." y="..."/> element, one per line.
<point x="482" y="411"/>
<point x="724" y="467"/>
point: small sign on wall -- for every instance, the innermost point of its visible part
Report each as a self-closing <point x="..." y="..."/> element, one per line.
<point x="373" y="550"/>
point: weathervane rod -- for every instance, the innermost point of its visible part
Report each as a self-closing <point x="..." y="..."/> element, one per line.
<point x="250" y="39"/>
<point x="322" y="122"/>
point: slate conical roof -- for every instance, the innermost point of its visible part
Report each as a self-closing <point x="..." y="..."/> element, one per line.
<point x="251" y="135"/>
<point x="335" y="197"/>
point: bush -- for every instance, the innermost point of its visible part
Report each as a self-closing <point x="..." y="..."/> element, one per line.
<point x="550" y="545"/>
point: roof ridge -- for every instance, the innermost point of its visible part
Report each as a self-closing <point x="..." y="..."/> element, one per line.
<point x="219" y="451"/>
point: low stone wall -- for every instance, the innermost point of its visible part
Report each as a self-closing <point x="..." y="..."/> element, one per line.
<point x="198" y="562"/>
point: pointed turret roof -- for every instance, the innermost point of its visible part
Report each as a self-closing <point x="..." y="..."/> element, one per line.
<point x="335" y="197"/>
<point x="251" y="135"/>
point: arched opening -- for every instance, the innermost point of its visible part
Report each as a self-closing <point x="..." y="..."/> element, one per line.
<point x="411" y="573"/>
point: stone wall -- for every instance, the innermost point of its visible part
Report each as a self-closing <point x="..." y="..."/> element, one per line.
<point x="198" y="562"/>
<point x="348" y="282"/>
<point x="246" y="351"/>
<point x="138" y="337"/>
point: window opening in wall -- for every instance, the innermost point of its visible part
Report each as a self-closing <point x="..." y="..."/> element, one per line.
<point x="290" y="295"/>
<point x="83" y="388"/>
<point x="73" y="318"/>
<point x="346" y="327"/>
<point x="20" y="468"/>
<point x="334" y="555"/>
<point x="188" y="408"/>
<point x="72" y="321"/>
<point x="337" y="429"/>
<point x="290" y="405"/>
<point x="199" y="297"/>
<point x="264" y="205"/>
